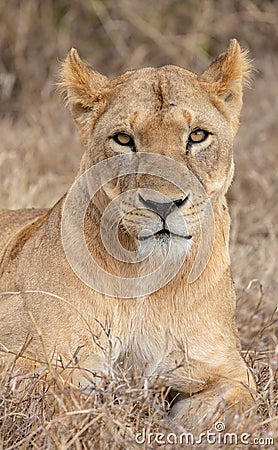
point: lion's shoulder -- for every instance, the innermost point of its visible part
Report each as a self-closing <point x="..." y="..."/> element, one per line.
<point x="12" y="221"/>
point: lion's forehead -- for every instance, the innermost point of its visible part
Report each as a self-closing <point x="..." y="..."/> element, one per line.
<point x="160" y="89"/>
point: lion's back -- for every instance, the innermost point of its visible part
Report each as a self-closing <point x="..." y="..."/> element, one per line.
<point x="12" y="221"/>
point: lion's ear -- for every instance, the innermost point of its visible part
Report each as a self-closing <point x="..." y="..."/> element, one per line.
<point x="82" y="85"/>
<point x="226" y="77"/>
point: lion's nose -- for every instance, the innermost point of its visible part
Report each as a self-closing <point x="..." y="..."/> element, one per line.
<point x="163" y="209"/>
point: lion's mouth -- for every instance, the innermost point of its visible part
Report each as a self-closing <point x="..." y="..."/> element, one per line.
<point x="164" y="234"/>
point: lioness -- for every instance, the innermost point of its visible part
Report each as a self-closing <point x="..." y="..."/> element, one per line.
<point x="154" y="290"/>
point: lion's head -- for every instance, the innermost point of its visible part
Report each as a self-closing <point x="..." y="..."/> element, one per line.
<point x="173" y="129"/>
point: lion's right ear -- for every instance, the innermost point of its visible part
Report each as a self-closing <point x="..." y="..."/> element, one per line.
<point x="82" y="85"/>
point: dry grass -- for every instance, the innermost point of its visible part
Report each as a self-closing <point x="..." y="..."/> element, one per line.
<point x="39" y="156"/>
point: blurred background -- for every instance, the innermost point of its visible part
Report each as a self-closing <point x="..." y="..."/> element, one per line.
<point x="40" y="150"/>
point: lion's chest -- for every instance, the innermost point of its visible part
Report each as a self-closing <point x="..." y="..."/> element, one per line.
<point x="148" y="339"/>
<point x="173" y="346"/>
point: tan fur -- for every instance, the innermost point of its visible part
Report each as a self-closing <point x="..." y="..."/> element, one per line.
<point x="184" y="332"/>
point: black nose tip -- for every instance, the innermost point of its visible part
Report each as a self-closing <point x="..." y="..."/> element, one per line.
<point x="163" y="209"/>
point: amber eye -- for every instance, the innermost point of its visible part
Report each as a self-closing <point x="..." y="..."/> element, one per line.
<point x="197" y="136"/>
<point x="123" y="139"/>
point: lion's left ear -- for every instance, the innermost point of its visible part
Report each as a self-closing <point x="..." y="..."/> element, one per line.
<point x="225" y="79"/>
